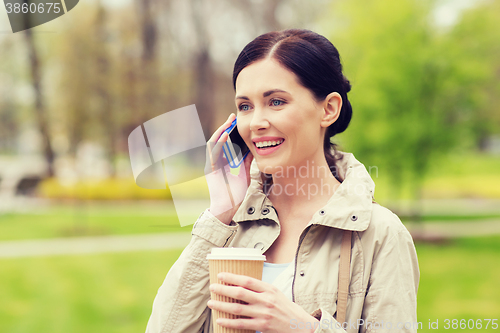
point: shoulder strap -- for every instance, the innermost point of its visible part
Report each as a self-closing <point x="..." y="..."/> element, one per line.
<point x="344" y="275"/>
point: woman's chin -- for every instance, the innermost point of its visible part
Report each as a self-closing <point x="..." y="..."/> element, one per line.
<point x="269" y="168"/>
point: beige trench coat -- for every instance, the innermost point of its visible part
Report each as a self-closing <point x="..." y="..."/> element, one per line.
<point x="384" y="267"/>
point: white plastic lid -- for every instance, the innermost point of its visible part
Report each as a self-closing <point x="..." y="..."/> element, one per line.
<point x="235" y="253"/>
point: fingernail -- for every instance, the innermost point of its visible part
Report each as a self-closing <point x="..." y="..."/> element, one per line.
<point x="212" y="287"/>
<point x="220" y="276"/>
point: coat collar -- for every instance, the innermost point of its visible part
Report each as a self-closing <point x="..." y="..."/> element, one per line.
<point x="349" y="208"/>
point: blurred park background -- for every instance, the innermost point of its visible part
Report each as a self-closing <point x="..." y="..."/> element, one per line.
<point x="84" y="249"/>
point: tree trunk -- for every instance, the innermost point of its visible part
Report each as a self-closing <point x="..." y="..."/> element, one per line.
<point x="106" y="110"/>
<point x="148" y="107"/>
<point x="40" y="110"/>
<point x="204" y="80"/>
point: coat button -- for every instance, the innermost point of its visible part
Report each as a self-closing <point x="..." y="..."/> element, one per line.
<point x="322" y="212"/>
<point x="354" y="218"/>
<point x="265" y="211"/>
<point x="251" y="210"/>
<point x="302" y="273"/>
<point x="259" y="246"/>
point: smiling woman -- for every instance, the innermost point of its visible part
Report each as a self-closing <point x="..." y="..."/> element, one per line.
<point x="336" y="260"/>
<point x="291" y="115"/>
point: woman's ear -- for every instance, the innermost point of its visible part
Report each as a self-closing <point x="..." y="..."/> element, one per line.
<point x="331" y="109"/>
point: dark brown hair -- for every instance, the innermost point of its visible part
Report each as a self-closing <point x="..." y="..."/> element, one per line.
<point x="316" y="63"/>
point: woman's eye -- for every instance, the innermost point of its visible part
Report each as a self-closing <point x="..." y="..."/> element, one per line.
<point x="244" y="107"/>
<point x="277" y="102"/>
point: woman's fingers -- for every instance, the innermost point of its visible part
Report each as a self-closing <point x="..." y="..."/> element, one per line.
<point x="214" y="151"/>
<point x="244" y="281"/>
<point x="241" y="287"/>
<point x="238" y="309"/>
<point x="241" y="323"/>
<point x="235" y="292"/>
<point x="215" y="143"/>
<point x="242" y="310"/>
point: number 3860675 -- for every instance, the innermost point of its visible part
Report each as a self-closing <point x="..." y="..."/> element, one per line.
<point x="25" y="8"/>
<point x="470" y="324"/>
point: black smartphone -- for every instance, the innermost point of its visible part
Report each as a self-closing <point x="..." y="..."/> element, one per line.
<point x="235" y="148"/>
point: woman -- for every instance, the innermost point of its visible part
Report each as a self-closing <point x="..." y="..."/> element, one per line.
<point x="291" y="98"/>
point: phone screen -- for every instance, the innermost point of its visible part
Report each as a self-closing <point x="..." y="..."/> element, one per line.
<point x="238" y="140"/>
<point x="235" y="148"/>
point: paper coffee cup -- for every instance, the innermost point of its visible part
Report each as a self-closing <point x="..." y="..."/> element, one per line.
<point x="243" y="261"/>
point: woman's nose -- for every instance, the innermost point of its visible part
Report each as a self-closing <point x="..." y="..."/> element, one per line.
<point x="259" y="121"/>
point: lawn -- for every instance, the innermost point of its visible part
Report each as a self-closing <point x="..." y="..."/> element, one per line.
<point x="94" y="223"/>
<point x="454" y="176"/>
<point x="91" y="219"/>
<point x="81" y="294"/>
<point x="114" y="292"/>
<point x="459" y="281"/>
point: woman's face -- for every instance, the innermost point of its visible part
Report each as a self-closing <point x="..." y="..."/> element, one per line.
<point x="278" y="118"/>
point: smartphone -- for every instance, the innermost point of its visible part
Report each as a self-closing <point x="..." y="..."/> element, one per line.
<point x="235" y="149"/>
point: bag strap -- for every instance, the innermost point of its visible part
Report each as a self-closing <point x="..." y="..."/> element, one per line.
<point x="344" y="275"/>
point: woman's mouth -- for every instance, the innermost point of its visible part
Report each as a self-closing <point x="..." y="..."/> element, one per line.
<point x="268" y="147"/>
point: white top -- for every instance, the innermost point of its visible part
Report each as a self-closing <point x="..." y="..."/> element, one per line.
<point x="279" y="275"/>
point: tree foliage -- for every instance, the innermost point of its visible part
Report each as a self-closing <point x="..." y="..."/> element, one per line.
<point x="415" y="88"/>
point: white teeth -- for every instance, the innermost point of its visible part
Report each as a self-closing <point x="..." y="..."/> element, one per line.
<point x="265" y="144"/>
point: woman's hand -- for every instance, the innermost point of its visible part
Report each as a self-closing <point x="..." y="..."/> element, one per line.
<point x="227" y="191"/>
<point x="268" y="309"/>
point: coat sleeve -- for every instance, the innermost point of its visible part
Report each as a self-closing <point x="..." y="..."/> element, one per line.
<point x="181" y="302"/>
<point x="390" y="303"/>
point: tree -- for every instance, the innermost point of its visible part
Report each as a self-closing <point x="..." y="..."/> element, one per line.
<point x="474" y="44"/>
<point x="406" y="110"/>
<point x="149" y="61"/>
<point x="103" y="85"/>
<point x="40" y="108"/>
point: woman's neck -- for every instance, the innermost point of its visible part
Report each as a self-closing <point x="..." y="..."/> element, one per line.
<point x="309" y="184"/>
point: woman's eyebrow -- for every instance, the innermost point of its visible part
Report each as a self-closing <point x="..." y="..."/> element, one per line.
<point x="265" y="94"/>
<point x="269" y="92"/>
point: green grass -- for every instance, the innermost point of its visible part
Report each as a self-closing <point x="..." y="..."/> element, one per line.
<point x="81" y="294"/>
<point x="452" y="218"/>
<point x="115" y="292"/>
<point x="85" y="222"/>
<point x="66" y="222"/>
<point x="459" y="281"/>
<point x="459" y="175"/>
<point x="57" y="223"/>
